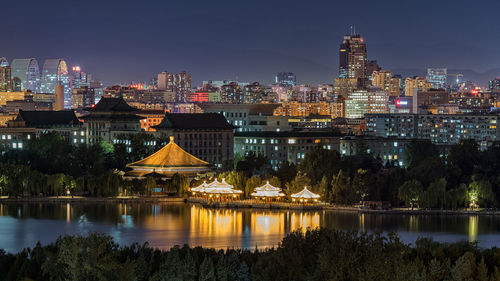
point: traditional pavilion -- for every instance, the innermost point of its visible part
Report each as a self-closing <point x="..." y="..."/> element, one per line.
<point x="305" y="196"/>
<point x="219" y="190"/>
<point x="267" y="192"/>
<point x="169" y="160"/>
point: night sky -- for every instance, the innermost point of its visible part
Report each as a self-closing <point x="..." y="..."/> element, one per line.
<point x="122" y="41"/>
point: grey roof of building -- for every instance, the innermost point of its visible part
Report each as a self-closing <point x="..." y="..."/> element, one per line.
<point x="43" y="119"/>
<point x="113" y="105"/>
<point x="253" y="109"/>
<point x="289" y="134"/>
<point x="187" y="121"/>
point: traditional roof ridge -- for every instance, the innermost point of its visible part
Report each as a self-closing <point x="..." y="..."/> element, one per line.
<point x="113" y="105"/>
<point x="171" y="155"/>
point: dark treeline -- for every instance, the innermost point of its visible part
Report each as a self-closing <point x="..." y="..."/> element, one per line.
<point x="49" y="166"/>
<point x="314" y="255"/>
<point x="462" y="177"/>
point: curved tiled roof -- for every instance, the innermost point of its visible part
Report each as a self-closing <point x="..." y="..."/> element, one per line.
<point x="194" y="121"/>
<point x="171" y="155"/>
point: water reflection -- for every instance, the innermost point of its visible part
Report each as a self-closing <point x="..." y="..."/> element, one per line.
<point x="165" y="225"/>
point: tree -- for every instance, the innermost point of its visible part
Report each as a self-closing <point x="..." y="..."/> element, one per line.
<point x="300" y="181"/>
<point x="411" y="192"/>
<point x="342" y="191"/>
<point x="321" y="162"/>
<point x="286" y="172"/>
<point x="480" y="193"/>
<point x="418" y="150"/>
<point x="180" y="183"/>
<point x="251" y="184"/>
<point x="251" y="164"/>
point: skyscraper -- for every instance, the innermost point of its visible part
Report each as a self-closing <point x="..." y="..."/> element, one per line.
<point x="55" y="72"/>
<point x="5" y="76"/>
<point x="286" y="79"/>
<point x="27" y="71"/>
<point x="352" y="58"/>
<point x="437" y="77"/>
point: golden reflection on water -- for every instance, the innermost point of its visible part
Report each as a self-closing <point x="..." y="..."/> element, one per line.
<point x="215" y="222"/>
<point x="304" y="221"/>
<point x="266" y="223"/>
<point x="473" y="228"/>
<point x="68" y="212"/>
<point x="414" y="223"/>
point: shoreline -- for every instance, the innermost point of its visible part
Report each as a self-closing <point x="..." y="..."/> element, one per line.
<point x="244" y="204"/>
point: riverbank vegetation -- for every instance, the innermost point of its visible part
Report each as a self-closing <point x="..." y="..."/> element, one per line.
<point x="320" y="254"/>
<point x="460" y="176"/>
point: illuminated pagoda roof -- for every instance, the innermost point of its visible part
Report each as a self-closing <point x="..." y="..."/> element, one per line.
<point x="222" y="188"/>
<point x="305" y="194"/>
<point x="167" y="161"/>
<point x="267" y="190"/>
<point x="200" y="188"/>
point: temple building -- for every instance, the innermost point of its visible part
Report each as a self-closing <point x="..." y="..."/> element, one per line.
<point x="169" y="160"/>
<point x="207" y="136"/>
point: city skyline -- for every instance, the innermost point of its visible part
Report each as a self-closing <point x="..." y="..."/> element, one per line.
<point x="208" y="40"/>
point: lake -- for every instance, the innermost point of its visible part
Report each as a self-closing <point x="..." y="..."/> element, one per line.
<point x="164" y="225"/>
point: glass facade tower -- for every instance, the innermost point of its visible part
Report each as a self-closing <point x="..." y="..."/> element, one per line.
<point x="27" y="72"/>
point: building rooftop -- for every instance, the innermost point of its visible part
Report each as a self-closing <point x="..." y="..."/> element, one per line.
<point x="42" y="119"/>
<point x="194" y="121"/>
<point x="288" y="134"/>
<point x="113" y="105"/>
<point x="253" y="109"/>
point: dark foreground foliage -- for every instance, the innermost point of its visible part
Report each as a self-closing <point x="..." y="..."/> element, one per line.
<point x="314" y="255"/>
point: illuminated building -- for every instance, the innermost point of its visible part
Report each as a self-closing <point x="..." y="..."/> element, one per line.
<point x="27" y="71"/>
<point x="151" y="118"/>
<point x="55" y="72"/>
<point x="415" y="85"/>
<point x="344" y="86"/>
<point x="10" y="96"/>
<point x="244" y="117"/>
<point x="83" y="97"/>
<point x="371" y="66"/>
<point x="361" y="102"/>
<point x="63" y="122"/>
<point x="494" y="84"/>
<point x="179" y="83"/>
<point x="352" y="59"/>
<point x="387" y="82"/>
<point x="304" y="196"/>
<point x="385" y="149"/>
<point x="3" y="62"/>
<point x="437" y="77"/>
<point x="301" y="109"/>
<point x="286" y="79"/>
<point x="169" y="160"/>
<point x="279" y="147"/>
<point x="231" y="93"/>
<point x="110" y="118"/>
<point x="207" y="136"/>
<point x="5" y="79"/>
<point x="79" y="78"/>
<point x="438" y="128"/>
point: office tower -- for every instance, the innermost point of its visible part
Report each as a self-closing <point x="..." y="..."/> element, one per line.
<point x="352" y="59"/>
<point x="416" y="84"/>
<point x="55" y="72"/>
<point x="179" y="83"/>
<point x="387" y="82"/>
<point x="27" y="71"/>
<point x="59" y="100"/>
<point x="371" y="66"/>
<point x="495" y="84"/>
<point x="4" y="62"/>
<point x="16" y="84"/>
<point x="78" y="78"/>
<point x="437" y="77"/>
<point x="286" y="79"/>
<point x="5" y="78"/>
<point x="361" y="102"/>
<point x="83" y="97"/>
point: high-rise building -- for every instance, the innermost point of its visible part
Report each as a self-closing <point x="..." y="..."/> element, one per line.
<point x="78" y="78"/>
<point x="4" y="62"/>
<point x="83" y="97"/>
<point x="361" y="102"/>
<point x="495" y="84"/>
<point x="418" y="84"/>
<point x="286" y="79"/>
<point x="437" y="77"/>
<point x="372" y="66"/>
<point x="352" y="58"/>
<point x="231" y="93"/>
<point x="387" y="82"/>
<point x="5" y="78"/>
<point x="28" y="72"/>
<point x="179" y="83"/>
<point x="55" y="72"/>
